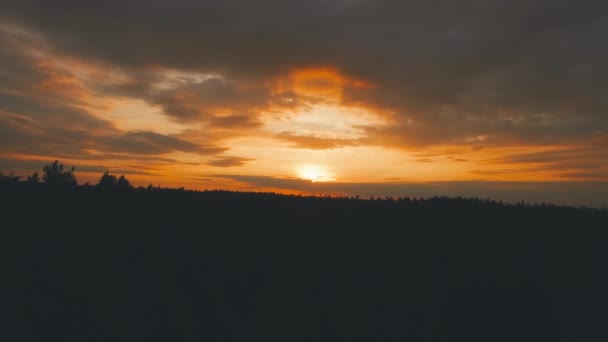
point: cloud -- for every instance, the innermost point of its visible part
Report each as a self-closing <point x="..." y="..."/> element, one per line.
<point x="553" y="155"/>
<point x="473" y="73"/>
<point x="141" y="142"/>
<point x="493" y="68"/>
<point x="21" y="165"/>
<point x="452" y="158"/>
<point x="313" y="142"/>
<point x="235" y="121"/>
<point x="216" y="99"/>
<point x="228" y="161"/>
<point x="579" y="161"/>
<point x="194" y="98"/>
<point x="45" y="109"/>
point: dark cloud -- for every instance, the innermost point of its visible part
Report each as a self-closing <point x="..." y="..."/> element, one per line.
<point x="583" y="161"/>
<point x="46" y="110"/>
<point x="228" y="161"/>
<point x="449" y="70"/>
<point x="141" y="142"/>
<point x="554" y="155"/>
<point x="235" y="121"/>
<point x="216" y="101"/>
<point x="22" y="166"/>
<point x="12" y="164"/>
<point x="37" y="138"/>
<point x="119" y="171"/>
<point x="200" y="100"/>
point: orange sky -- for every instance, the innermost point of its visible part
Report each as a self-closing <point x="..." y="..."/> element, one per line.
<point x="320" y="140"/>
<point x="317" y="122"/>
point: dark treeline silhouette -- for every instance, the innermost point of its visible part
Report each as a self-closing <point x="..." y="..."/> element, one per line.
<point x="115" y="263"/>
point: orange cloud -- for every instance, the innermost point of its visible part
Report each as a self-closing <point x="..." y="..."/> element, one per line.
<point x="314" y="142"/>
<point x="324" y="83"/>
<point x="60" y="83"/>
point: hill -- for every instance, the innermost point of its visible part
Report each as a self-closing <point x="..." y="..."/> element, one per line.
<point x="88" y="264"/>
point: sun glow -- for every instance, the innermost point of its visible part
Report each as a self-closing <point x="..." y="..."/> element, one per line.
<point x="314" y="173"/>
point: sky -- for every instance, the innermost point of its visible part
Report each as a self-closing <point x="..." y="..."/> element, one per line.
<point x="483" y="98"/>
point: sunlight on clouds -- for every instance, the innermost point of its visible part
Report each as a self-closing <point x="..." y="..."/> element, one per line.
<point x="322" y="81"/>
<point x="318" y="110"/>
<point x="314" y="173"/>
<point x="173" y="79"/>
<point x="295" y="126"/>
<point x="348" y="164"/>
<point x="323" y="121"/>
<point x="137" y="115"/>
<point x="314" y="86"/>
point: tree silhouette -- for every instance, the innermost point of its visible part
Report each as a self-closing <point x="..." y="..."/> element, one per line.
<point x="110" y="182"/>
<point x="123" y="184"/>
<point x="10" y="178"/>
<point x="55" y="175"/>
<point x="34" y="178"/>
<point x="107" y="181"/>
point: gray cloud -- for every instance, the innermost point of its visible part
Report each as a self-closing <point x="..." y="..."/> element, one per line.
<point x="479" y="73"/>
<point x="142" y="142"/>
<point x="26" y="166"/>
<point x="476" y="67"/>
<point x="202" y="100"/>
<point x="216" y="101"/>
<point x="235" y="121"/>
<point x="552" y="156"/>
<point x="582" y="161"/>
<point x="228" y="161"/>
<point x="39" y="116"/>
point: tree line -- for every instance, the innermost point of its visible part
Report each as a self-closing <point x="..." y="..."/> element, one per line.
<point x="56" y="175"/>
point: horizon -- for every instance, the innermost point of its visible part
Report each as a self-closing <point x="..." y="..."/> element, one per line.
<point x="504" y="192"/>
<point x="345" y="98"/>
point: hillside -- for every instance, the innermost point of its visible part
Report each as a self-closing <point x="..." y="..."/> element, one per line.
<point x="83" y="264"/>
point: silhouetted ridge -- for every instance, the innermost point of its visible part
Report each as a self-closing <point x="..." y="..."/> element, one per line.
<point x="99" y="263"/>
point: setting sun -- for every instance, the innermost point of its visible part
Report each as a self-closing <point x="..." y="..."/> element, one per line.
<point x="314" y="173"/>
<point x="274" y="107"/>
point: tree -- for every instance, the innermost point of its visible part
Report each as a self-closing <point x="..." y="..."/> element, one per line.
<point x="10" y="178"/>
<point x="55" y="175"/>
<point x="123" y="184"/>
<point x="34" y="178"/>
<point x="107" y="181"/>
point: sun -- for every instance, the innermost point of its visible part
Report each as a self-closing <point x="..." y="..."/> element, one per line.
<point x="314" y="173"/>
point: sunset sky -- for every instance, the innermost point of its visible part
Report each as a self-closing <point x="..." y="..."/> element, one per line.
<point x="499" y="99"/>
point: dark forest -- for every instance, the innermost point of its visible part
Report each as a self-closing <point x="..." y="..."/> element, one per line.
<point x="110" y="262"/>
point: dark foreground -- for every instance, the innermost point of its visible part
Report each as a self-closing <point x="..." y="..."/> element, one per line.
<point x="151" y="265"/>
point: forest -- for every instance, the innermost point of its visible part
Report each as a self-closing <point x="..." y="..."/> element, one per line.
<point x="113" y="262"/>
